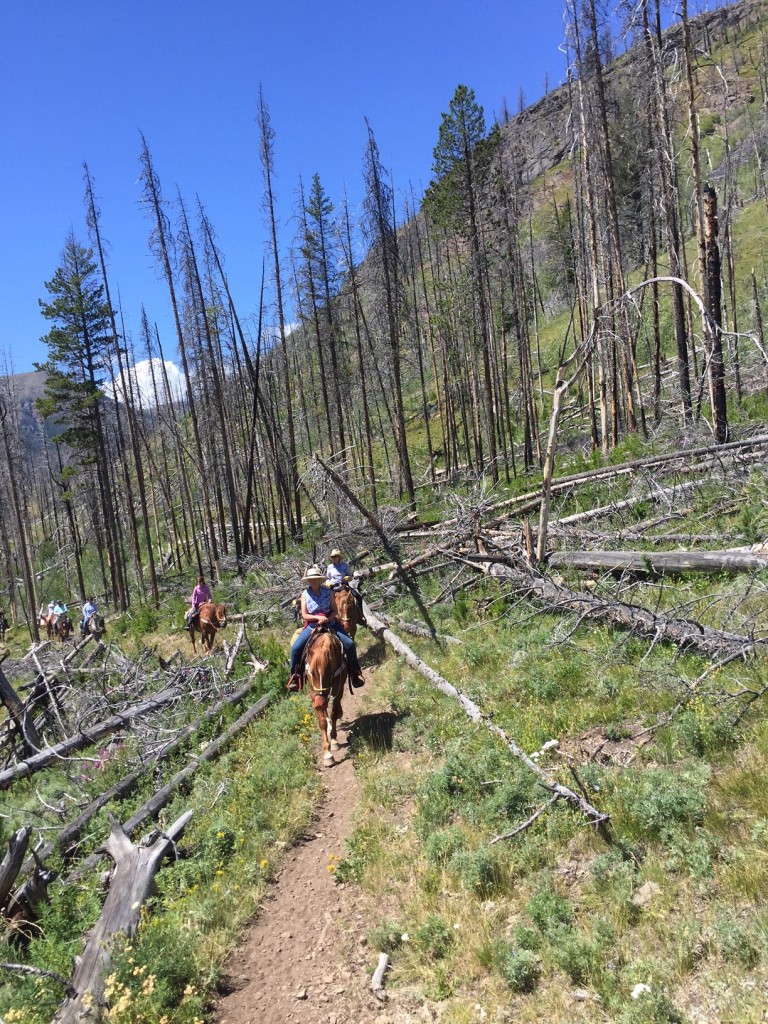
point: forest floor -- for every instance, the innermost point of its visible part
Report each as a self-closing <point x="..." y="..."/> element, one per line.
<point x="305" y="959"/>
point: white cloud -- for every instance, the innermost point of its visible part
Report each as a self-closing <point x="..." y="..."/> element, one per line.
<point x="141" y="375"/>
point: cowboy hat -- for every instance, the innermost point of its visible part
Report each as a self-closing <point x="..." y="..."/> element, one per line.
<point x="314" y="572"/>
<point x="335" y="552"/>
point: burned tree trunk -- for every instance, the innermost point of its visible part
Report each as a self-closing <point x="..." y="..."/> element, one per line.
<point x="713" y="293"/>
<point x="132" y="883"/>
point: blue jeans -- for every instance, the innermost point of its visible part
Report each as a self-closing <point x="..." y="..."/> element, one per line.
<point x="350" y="651"/>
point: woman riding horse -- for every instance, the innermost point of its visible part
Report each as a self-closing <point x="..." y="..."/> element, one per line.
<point x="318" y="608"/>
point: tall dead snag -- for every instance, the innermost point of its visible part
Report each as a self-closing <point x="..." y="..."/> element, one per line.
<point x="581" y="355"/>
<point x="560" y="792"/>
<point x="713" y="293"/>
<point x="267" y="156"/>
<point x="135" y="869"/>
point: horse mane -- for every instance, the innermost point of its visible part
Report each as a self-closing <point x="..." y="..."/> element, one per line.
<point x="324" y="653"/>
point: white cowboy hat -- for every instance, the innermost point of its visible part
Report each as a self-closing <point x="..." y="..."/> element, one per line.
<point x="335" y="552"/>
<point x="314" y="572"/>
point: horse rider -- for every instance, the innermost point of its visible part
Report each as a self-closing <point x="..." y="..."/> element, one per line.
<point x="338" y="575"/>
<point x="337" y="569"/>
<point x="200" y="595"/>
<point x="89" y="609"/>
<point x="55" y="610"/>
<point x="318" y="607"/>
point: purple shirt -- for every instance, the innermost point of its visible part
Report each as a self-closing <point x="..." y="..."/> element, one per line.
<point x="201" y="594"/>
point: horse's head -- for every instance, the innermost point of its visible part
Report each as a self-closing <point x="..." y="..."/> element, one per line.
<point x="219" y="616"/>
<point x="349" y="610"/>
<point x="64" y="627"/>
<point x="96" y="625"/>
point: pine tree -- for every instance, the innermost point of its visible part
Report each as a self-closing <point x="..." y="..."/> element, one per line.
<point x="79" y="349"/>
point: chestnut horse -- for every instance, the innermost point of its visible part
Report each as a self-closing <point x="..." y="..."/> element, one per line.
<point x="325" y="673"/>
<point x="348" y="607"/>
<point x="209" y="620"/>
<point x="61" y="629"/>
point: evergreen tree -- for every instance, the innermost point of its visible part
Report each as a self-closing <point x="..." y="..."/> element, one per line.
<point x="79" y="349"/>
<point x="78" y="346"/>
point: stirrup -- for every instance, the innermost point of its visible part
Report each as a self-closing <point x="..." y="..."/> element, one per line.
<point x="357" y="681"/>
<point x="294" y="683"/>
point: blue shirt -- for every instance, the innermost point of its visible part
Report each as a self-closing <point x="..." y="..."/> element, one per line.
<point x="88" y="609"/>
<point x="336" y="572"/>
<point x="319" y="604"/>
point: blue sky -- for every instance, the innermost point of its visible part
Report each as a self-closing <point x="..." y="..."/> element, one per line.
<point x="79" y="80"/>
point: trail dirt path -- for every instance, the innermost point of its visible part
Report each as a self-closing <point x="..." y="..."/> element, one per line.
<point x="304" y="960"/>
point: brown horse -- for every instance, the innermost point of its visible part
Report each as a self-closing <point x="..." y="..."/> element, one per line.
<point x="61" y="629"/>
<point x="349" y="609"/>
<point x="325" y="673"/>
<point x="209" y="620"/>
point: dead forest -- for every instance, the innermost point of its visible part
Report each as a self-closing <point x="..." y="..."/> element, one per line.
<point x="539" y="393"/>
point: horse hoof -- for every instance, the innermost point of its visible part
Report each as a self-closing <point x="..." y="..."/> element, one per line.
<point x="328" y="756"/>
<point x="334" y="745"/>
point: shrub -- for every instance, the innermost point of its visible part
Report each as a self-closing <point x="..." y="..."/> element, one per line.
<point x="386" y="937"/>
<point x="735" y="942"/>
<point x="443" y="844"/>
<point x="548" y="909"/>
<point x="434" y="937"/>
<point x="520" y="968"/>
<point x="652" y="1007"/>
<point x="475" y="869"/>
<point x="579" y="956"/>
<point x="659" y="799"/>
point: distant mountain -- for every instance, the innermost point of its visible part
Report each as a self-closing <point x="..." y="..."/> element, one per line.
<point x="25" y="389"/>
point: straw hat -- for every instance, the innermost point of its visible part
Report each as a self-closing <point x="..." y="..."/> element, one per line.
<point x="335" y="552"/>
<point x="314" y="572"/>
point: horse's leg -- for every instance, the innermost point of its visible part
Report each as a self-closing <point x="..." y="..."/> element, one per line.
<point x="192" y="638"/>
<point x="337" y="712"/>
<point x="321" y="710"/>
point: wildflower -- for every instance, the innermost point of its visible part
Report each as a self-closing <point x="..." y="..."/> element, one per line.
<point x="405" y="937"/>
<point x="640" y="990"/>
<point x="219" y="871"/>
<point x="219" y="835"/>
<point x="263" y="865"/>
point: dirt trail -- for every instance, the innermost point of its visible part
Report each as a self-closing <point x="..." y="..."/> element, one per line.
<point x="304" y="959"/>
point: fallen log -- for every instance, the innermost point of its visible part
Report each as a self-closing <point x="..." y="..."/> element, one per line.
<point x="233" y="653"/>
<point x="531" y="499"/>
<point x="561" y="792"/>
<point x="618" y="506"/>
<point x="155" y="804"/>
<point x="686" y="634"/>
<point x="132" y="880"/>
<point x="86" y="738"/>
<point x="19" y="715"/>
<point x="658" y="561"/>
<point x="74" y="830"/>
<point x="11" y="863"/>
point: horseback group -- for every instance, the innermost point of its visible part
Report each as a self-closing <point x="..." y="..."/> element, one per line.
<point x="323" y="652"/>
<point x="58" y="625"/>
<point x="328" y="605"/>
